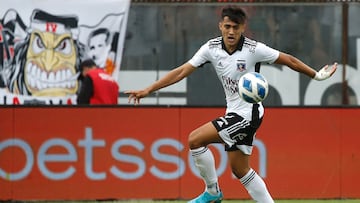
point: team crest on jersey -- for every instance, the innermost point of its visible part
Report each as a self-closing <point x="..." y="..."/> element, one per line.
<point x="241" y="65"/>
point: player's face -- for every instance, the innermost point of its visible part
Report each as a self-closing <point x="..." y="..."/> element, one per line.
<point x="231" y="32"/>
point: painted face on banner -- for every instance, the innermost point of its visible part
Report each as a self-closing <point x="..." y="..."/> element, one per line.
<point x="50" y="64"/>
<point x="99" y="49"/>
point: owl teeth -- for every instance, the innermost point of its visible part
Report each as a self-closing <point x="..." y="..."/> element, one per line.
<point x="39" y="79"/>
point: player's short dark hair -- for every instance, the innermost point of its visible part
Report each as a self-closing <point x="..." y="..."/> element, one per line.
<point x="235" y="14"/>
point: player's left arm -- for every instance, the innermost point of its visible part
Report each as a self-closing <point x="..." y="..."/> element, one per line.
<point x="299" y="66"/>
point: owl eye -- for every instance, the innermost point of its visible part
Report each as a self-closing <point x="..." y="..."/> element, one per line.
<point x="64" y="46"/>
<point x="38" y="45"/>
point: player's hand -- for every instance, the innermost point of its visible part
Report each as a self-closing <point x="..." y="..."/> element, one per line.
<point x="136" y="95"/>
<point x="325" y="72"/>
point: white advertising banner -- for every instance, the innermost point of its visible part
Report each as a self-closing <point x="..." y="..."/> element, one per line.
<point x="42" y="43"/>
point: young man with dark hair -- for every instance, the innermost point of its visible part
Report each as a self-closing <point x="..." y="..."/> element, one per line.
<point x="241" y="119"/>
<point x="97" y="86"/>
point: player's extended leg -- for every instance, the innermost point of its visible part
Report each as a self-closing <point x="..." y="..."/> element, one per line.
<point x="253" y="183"/>
<point x="204" y="161"/>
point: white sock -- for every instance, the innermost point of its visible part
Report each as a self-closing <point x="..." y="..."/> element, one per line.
<point x="205" y="163"/>
<point x="256" y="187"/>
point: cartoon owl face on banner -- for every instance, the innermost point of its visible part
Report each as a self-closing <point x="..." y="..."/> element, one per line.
<point x="50" y="67"/>
<point x="39" y="59"/>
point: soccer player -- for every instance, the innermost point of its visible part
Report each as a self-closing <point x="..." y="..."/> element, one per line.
<point x="232" y="55"/>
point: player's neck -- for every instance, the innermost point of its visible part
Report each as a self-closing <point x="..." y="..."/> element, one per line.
<point x="231" y="49"/>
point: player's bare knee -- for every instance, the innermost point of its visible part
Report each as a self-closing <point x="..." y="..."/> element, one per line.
<point x="240" y="172"/>
<point x="193" y="141"/>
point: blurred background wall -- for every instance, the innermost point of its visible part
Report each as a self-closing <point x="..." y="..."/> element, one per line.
<point x="162" y="35"/>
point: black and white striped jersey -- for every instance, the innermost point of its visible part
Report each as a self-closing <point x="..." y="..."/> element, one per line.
<point x="230" y="67"/>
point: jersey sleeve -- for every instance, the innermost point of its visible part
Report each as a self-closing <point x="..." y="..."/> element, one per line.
<point x="201" y="56"/>
<point x="266" y="53"/>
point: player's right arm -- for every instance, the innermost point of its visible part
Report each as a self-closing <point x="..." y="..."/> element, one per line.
<point x="170" y="78"/>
